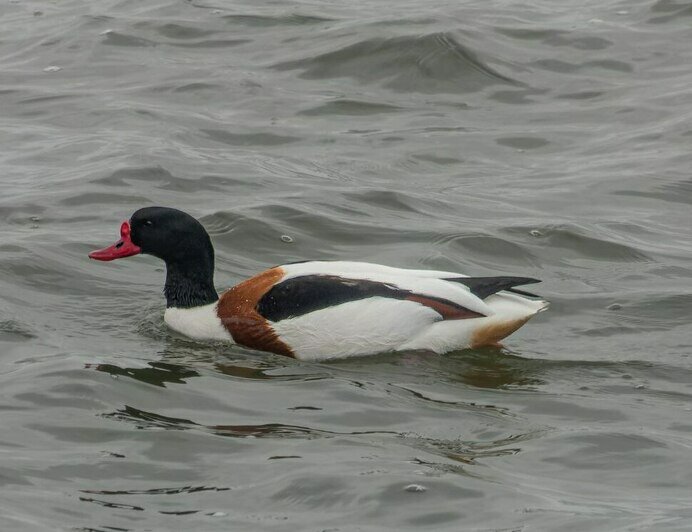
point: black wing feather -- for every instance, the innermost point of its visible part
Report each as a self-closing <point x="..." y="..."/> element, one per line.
<point x="308" y="293"/>
<point x="483" y="287"/>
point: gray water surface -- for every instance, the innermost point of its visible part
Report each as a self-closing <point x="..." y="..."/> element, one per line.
<point x="540" y="139"/>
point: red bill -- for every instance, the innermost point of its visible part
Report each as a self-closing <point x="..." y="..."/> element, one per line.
<point x="122" y="248"/>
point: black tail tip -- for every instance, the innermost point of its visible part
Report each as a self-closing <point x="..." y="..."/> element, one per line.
<point x="483" y="287"/>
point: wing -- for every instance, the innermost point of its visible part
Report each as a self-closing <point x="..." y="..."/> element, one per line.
<point x="467" y="292"/>
<point x="297" y="296"/>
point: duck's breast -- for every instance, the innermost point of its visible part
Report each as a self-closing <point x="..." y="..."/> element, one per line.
<point x="200" y="323"/>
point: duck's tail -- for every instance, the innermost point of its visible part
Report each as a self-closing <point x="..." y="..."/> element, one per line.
<point x="511" y="307"/>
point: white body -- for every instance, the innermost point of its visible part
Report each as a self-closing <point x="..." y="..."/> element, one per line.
<point x="376" y="324"/>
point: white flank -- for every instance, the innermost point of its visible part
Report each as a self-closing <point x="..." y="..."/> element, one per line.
<point x="366" y="326"/>
<point x="200" y="323"/>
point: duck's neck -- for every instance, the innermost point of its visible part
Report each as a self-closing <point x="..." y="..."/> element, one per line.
<point x="190" y="285"/>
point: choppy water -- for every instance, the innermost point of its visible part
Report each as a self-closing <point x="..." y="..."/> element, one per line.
<point x="528" y="138"/>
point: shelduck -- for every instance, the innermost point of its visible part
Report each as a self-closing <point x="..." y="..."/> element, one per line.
<point x="318" y="310"/>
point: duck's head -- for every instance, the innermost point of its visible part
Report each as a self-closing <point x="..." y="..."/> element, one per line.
<point x="169" y="234"/>
<point x="176" y="238"/>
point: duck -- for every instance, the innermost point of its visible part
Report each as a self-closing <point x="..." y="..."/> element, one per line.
<point x="321" y="309"/>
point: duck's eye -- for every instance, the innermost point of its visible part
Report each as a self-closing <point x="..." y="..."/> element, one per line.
<point x="148" y="222"/>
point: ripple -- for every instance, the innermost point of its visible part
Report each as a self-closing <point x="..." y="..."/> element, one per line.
<point x="565" y="67"/>
<point x="616" y="451"/>
<point x="162" y="179"/>
<point x="522" y="143"/>
<point x="48" y="98"/>
<point x="677" y="192"/>
<point x="391" y="200"/>
<point x="99" y="198"/>
<point x="157" y="491"/>
<point x="350" y="108"/>
<point x="489" y="248"/>
<point x="110" y="504"/>
<point x="114" y="38"/>
<point x="673" y="9"/>
<point x="655" y="312"/>
<point x="179" y="35"/>
<point x="178" y="31"/>
<point x="152" y="421"/>
<point x="12" y="330"/>
<point x="581" y="95"/>
<point x="553" y="37"/>
<point x="262" y="21"/>
<point x="573" y="239"/>
<point x="468" y="452"/>
<point x="248" y="139"/>
<point x="197" y="87"/>
<point x="433" y="63"/>
<point x="211" y="43"/>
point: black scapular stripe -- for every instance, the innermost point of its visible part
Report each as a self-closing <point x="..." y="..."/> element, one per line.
<point x="483" y="287"/>
<point x="308" y="293"/>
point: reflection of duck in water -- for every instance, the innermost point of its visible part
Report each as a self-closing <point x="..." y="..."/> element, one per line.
<point x="319" y="310"/>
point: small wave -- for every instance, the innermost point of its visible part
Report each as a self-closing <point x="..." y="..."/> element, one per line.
<point x="248" y="139"/>
<point x="157" y="491"/>
<point x="393" y="201"/>
<point x="152" y="421"/>
<point x="565" y="67"/>
<point x="99" y="198"/>
<point x="197" y="87"/>
<point x="677" y="192"/>
<point x="350" y="108"/>
<point x="13" y="330"/>
<point x="261" y="21"/>
<point x="557" y="38"/>
<point x="673" y="11"/>
<point x="179" y="31"/>
<point x="433" y="63"/>
<point x="562" y="238"/>
<point x="522" y="143"/>
<point x="468" y="452"/>
<point x="211" y="43"/>
<point x="115" y="38"/>
<point x="173" y="35"/>
<point x="160" y="178"/>
<point x="497" y="250"/>
<point x="109" y="504"/>
<point x="645" y="313"/>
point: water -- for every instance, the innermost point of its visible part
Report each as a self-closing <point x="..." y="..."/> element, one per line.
<point x="514" y="138"/>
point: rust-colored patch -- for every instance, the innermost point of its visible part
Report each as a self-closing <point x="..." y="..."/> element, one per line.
<point x="237" y="311"/>
<point x="494" y="332"/>
<point x="447" y="311"/>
